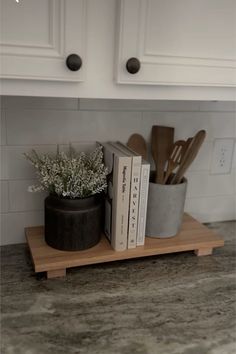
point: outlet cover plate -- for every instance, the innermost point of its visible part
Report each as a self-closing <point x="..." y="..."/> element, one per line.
<point x="222" y="157"/>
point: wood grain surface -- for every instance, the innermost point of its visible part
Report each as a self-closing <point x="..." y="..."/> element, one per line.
<point x="193" y="237"/>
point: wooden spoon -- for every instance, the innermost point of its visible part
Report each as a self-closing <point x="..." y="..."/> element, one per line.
<point x="189" y="156"/>
<point x="175" y="158"/>
<point x="161" y="143"/>
<point x="137" y="143"/>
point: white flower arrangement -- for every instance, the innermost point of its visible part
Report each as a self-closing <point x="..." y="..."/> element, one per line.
<point x="72" y="175"/>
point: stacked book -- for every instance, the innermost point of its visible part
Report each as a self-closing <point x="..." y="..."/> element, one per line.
<point x="126" y="200"/>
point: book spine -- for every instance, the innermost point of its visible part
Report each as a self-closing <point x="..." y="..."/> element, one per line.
<point x="109" y="162"/>
<point x="134" y="201"/>
<point x="134" y="192"/>
<point x="120" y="202"/>
<point x="143" y="198"/>
<point x="108" y="218"/>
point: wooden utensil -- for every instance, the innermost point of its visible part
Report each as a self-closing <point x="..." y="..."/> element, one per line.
<point x="185" y="147"/>
<point x="138" y="144"/>
<point x="161" y="143"/>
<point x="189" y="156"/>
<point x="175" y="158"/>
<point x="182" y="156"/>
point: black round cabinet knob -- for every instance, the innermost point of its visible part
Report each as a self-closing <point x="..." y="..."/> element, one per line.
<point x="73" y="62"/>
<point x="133" y="65"/>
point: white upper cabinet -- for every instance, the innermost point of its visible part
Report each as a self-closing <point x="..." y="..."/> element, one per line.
<point x="37" y="36"/>
<point x="177" y="42"/>
<point x="186" y="48"/>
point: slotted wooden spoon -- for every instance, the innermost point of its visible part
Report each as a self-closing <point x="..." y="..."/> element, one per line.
<point x="161" y="143"/>
<point x="138" y="144"/>
<point x="189" y="156"/>
<point x="175" y="158"/>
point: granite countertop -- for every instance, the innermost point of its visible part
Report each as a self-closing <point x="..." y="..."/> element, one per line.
<point x="165" y="304"/>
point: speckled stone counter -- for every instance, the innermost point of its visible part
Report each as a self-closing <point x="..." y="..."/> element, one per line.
<point x="168" y="304"/>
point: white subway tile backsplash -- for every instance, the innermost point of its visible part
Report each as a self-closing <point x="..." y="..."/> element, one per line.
<point x="4" y="196"/>
<point x="14" y="164"/>
<point x="218" y="106"/>
<point x="223" y="125"/>
<point x="3" y="127"/>
<point x="56" y="127"/>
<point x="42" y="123"/>
<point x="203" y="158"/>
<point x="210" y="209"/>
<point x="40" y="127"/>
<point x="234" y="156"/>
<point x="13" y="224"/>
<point x="115" y="125"/>
<point x="38" y="103"/>
<point x="83" y="146"/>
<point x="20" y="199"/>
<point x="3" y="169"/>
<point x="187" y="124"/>
<point x="202" y="184"/>
<point x="1" y="102"/>
<point x="137" y="105"/>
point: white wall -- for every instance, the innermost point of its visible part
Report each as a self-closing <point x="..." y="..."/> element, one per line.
<point x="41" y="123"/>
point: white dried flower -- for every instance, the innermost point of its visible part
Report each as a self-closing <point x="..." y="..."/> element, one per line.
<point x="72" y="175"/>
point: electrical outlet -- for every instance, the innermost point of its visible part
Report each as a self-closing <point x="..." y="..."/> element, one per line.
<point x="222" y="157"/>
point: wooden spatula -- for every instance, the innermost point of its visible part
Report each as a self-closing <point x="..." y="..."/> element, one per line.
<point x="189" y="156"/>
<point x="138" y="144"/>
<point x="161" y="143"/>
<point x="175" y="158"/>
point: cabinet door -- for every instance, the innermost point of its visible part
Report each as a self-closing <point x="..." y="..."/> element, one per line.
<point x="178" y="42"/>
<point x="38" y="35"/>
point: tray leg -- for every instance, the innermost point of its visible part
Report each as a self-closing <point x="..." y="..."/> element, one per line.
<point x="56" y="273"/>
<point x="203" y="251"/>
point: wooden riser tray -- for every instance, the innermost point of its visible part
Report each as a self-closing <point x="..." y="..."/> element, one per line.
<point x="193" y="237"/>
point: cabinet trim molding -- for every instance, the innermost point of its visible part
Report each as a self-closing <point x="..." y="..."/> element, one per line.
<point x="162" y="67"/>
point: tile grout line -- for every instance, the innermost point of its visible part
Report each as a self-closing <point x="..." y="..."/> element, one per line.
<point x="187" y="198"/>
<point x="86" y="142"/>
<point x="194" y="172"/>
<point x="5" y="124"/>
<point x="8" y="196"/>
<point x="78" y="108"/>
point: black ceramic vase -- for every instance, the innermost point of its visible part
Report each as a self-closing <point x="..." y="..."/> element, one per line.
<point x="73" y="224"/>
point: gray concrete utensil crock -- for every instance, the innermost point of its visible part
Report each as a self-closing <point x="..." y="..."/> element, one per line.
<point x="165" y="208"/>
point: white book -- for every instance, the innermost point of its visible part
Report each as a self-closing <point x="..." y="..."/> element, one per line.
<point x="134" y="193"/>
<point x="143" y="199"/>
<point x="117" y="202"/>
